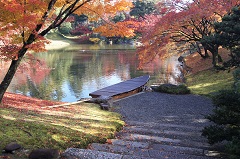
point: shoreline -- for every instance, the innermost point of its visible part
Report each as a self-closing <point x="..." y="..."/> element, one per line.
<point x="56" y="44"/>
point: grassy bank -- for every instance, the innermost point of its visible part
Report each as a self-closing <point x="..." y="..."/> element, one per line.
<point x="60" y="127"/>
<point x="205" y="80"/>
<point x="208" y="82"/>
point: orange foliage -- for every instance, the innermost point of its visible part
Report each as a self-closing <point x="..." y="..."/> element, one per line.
<point x="119" y="29"/>
<point x="23" y="23"/>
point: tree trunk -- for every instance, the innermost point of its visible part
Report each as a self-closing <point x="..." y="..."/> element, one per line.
<point x="214" y="59"/>
<point x="10" y="74"/>
<point x="220" y="58"/>
<point x="206" y="53"/>
<point x="199" y="50"/>
<point x="215" y="55"/>
<point x="213" y="48"/>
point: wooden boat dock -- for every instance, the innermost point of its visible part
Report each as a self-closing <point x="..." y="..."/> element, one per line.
<point x="122" y="89"/>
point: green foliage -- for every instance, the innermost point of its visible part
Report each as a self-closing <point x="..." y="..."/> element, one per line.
<point x="234" y="147"/>
<point x="212" y="136"/>
<point x="228" y="34"/>
<point x="236" y="76"/>
<point x="226" y="115"/>
<point x="172" y="89"/>
<point x="65" y="28"/>
<point x="141" y="8"/>
<point x="119" y="17"/>
<point x="226" y="118"/>
<point x="80" y="18"/>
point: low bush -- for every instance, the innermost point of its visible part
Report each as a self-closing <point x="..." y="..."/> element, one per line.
<point x="172" y="89"/>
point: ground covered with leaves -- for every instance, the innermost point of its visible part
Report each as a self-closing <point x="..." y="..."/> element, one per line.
<point x="33" y="124"/>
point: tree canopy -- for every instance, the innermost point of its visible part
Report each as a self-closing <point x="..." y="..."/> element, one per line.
<point x="183" y="22"/>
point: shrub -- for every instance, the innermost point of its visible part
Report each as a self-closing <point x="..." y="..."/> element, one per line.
<point x="236" y="76"/>
<point x="172" y="89"/>
<point x="226" y="118"/>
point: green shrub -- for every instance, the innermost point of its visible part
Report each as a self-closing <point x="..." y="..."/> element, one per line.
<point x="65" y="28"/>
<point x="236" y="76"/>
<point x="172" y="89"/>
<point x="226" y="118"/>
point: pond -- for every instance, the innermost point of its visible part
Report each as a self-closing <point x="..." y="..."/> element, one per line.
<point x="73" y="72"/>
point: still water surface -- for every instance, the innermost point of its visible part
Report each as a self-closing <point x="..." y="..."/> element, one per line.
<point x="77" y="70"/>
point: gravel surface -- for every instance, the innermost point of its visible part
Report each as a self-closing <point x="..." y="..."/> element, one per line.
<point x="157" y="107"/>
<point x="158" y="126"/>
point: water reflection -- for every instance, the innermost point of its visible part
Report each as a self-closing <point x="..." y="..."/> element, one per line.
<point x="72" y="73"/>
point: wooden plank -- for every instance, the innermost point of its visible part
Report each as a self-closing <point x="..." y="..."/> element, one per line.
<point x="119" y="88"/>
<point x="122" y="87"/>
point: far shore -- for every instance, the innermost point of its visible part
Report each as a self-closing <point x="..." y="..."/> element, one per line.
<point x="56" y="44"/>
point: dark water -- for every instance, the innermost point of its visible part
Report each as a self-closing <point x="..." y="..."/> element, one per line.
<point x="77" y="70"/>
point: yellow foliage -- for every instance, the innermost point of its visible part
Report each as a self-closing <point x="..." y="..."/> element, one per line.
<point x="120" y="29"/>
<point x="95" y="40"/>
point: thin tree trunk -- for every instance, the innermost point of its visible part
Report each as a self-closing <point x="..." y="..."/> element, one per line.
<point x="10" y="74"/>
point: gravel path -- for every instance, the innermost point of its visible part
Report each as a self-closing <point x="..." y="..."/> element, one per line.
<point x="158" y="126"/>
<point x="158" y="107"/>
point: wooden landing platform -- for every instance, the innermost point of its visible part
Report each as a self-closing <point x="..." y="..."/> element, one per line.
<point x="122" y="89"/>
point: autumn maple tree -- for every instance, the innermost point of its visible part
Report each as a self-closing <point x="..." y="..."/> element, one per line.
<point x="24" y="23"/>
<point x="185" y="23"/>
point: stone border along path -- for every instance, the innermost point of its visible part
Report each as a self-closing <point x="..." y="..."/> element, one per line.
<point x="159" y="126"/>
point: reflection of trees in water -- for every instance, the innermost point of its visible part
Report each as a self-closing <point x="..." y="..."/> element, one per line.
<point x="164" y="71"/>
<point x="45" y="90"/>
<point x="76" y="73"/>
<point x="29" y="77"/>
<point x="84" y="71"/>
<point x="59" y="74"/>
<point x="46" y="85"/>
<point x="105" y="64"/>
